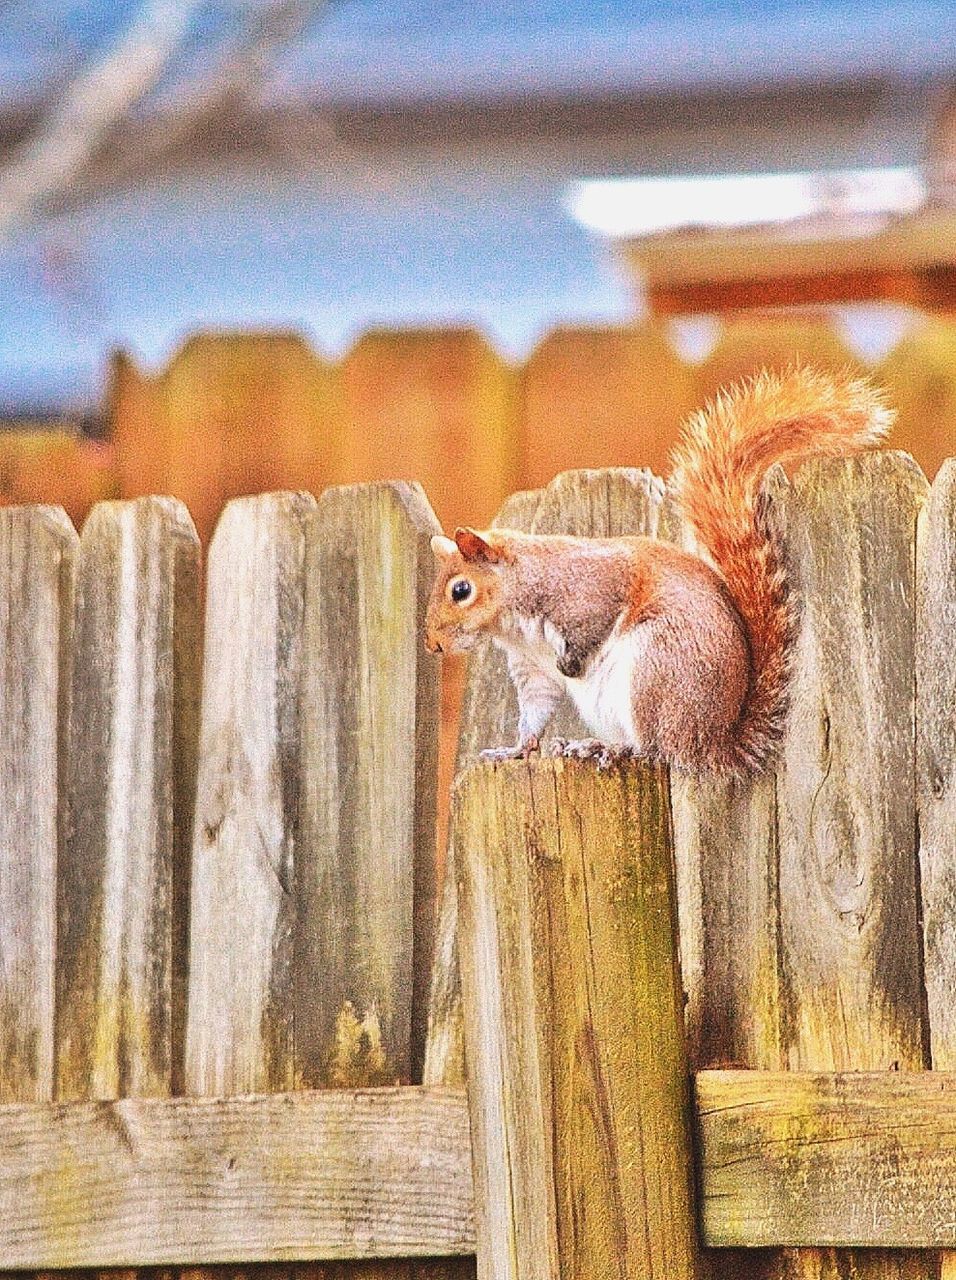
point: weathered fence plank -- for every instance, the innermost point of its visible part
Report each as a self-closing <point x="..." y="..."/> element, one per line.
<point x="855" y="1159"/>
<point x="240" y="1023"/>
<point x="936" y="768"/>
<point x="798" y="890"/>
<point x="311" y="737"/>
<point x="129" y="791"/>
<point x="920" y="379"/>
<point x="365" y="858"/>
<point x="37" y="553"/>
<point x="849" y="918"/>
<point x="726" y="863"/>
<point x="339" y="1174"/>
<point x="601" y="397"/>
<point x="847" y="820"/>
<point x="936" y="759"/>
<point x="437" y="406"/>
<point x="577" y="1073"/>
<point x="594" y="503"/>
<point x="858" y="1159"/>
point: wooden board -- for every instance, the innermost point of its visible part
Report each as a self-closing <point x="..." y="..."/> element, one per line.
<point x="594" y="503"/>
<point x="240" y="1034"/>
<point x="855" y="1159"/>
<point x="37" y="553"/>
<point x="920" y="379"/>
<point x="849" y="917"/>
<point x="437" y="406"/>
<point x="336" y="1174"/>
<point x="574" y="1032"/>
<point x="846" y="809"/>
<point x="291" y="996"/>
<point x="861" y="1159"/>
<point x="935" y="765"/>
<point x="601" y="397"/>
<point x="365" y="854"/>
<point x="936" y="759"/>
<point x="799" y="932"/>
<point x="123" y="879"/>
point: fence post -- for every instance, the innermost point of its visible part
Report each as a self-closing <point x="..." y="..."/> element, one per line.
<point x="577" y="1069"/>
<point x="597" y="504"/>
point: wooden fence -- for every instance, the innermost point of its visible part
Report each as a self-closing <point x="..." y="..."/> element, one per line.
<point x="233" y="1030"/>
<point x="235" y="414"/>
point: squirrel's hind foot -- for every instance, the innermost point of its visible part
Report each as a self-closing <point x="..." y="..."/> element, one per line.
<point x="605" y="754"/>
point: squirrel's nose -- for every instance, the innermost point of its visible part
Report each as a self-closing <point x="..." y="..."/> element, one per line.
<point x="432" y="645"/>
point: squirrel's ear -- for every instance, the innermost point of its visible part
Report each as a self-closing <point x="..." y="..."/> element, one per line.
<point x="442" y="547"/>
<point x="474" y="547"/>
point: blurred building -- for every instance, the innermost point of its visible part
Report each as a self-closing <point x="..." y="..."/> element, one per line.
<point x="342" y="166"/>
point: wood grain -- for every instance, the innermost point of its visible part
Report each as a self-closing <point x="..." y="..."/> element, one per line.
<point x="37" y="553"/>
<point x="577" y="1072"/>
<point x="129" y="792"/>
<point x="848" y="881"/>
<point x="853" y="1159"/>
<point x="936" y="758"/>
<point x="314" y="633"/>
<point x="725" y="846"/>
<point x="935" y="764"/>
<point x="240" y="1031"/>
<point x="799" y="935"/>
<point x="364" y="1175"/>
<point x="365" y="856"/>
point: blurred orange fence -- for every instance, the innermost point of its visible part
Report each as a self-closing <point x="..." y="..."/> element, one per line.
<point x="233" y="414"/>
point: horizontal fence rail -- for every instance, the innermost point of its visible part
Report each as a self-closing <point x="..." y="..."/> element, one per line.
<point x="784" y="1158"/>
<point x="374" y="1174"/>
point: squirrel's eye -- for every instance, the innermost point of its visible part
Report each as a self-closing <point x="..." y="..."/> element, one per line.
<point x="461" y="590"/>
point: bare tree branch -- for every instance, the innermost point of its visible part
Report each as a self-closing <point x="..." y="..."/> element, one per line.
<point x="92" y="105"/>
<point x="48" y="171"/>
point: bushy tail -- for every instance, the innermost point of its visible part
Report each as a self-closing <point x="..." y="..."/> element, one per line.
<point x="719" y="465"/>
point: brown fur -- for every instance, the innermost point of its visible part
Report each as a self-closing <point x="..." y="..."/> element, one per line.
<point x="708" y="687"/>
<point x="719" y="467"/>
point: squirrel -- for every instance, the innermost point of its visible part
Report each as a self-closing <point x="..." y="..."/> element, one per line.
<point x="666" y="655"/>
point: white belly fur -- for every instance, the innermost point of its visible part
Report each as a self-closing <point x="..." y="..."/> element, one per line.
<point x="604" y="696"/>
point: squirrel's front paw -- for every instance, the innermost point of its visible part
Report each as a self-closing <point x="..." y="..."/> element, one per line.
<point x="521" y="752"/>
